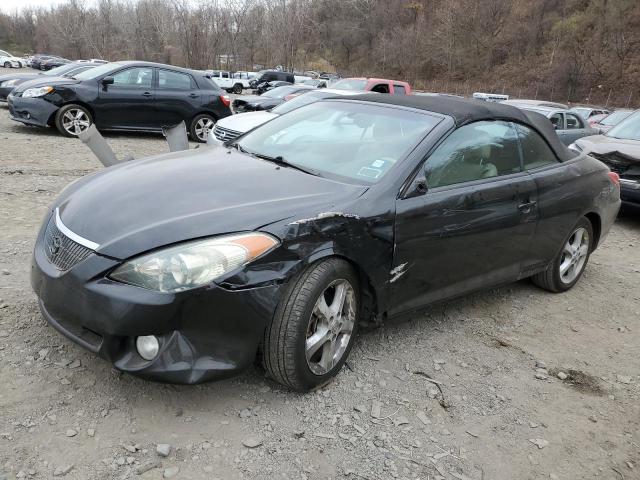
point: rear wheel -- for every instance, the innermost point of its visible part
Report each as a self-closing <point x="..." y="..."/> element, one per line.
<point x="312" y="332"/>
<point x="569" y="264"/>
<point x="237" y="89"/>
<point x="71" y="120"/>
<point x="7" y="65"/>
<point x="201" y="126"/>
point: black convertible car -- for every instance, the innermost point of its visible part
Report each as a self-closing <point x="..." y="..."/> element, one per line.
<point x="182" y="267"/>
<point x="138" y="96"/>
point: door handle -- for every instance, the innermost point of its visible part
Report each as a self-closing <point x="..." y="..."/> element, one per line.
<point x="526" y="207"/>
<point x="146" y="94"/>
<point x="193" y="95"/>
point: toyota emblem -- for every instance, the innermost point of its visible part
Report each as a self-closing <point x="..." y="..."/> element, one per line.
<point x="54" y="246"/>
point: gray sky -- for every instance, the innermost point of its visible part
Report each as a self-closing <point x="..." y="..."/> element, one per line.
<point x="9" y="6"/>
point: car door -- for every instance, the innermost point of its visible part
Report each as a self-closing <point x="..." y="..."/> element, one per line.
<point x="177" y="98"/>
<point x="473" y="227"/>
<point x="575" y="128"/>
<point x="128" y="102"/>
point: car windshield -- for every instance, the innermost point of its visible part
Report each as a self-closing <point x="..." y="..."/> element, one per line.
<point x="614" y="118"/>
<point x="628" y="129"/>
<point x="61" y="70"/>
<point x="583" y="112"/>
<point x="346" y="141"/>
<point x="299" y="101"/>
<point x="97" y="72"/>
<point x="350" y="84"/>
<point x="279" y="92"/>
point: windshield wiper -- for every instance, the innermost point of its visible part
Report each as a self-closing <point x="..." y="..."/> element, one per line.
<point x="278" y="160"/>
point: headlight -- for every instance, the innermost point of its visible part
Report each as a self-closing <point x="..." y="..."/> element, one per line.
<point x="193" y="264"/>
<point x="575" y="147"/>
<point x="9" y="83"/>
<point x="36" y="92"/>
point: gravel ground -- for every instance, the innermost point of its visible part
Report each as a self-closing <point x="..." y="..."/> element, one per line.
<point x="499" y="410"/>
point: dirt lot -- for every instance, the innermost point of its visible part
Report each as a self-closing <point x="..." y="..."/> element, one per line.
<point x="68" y="414"/>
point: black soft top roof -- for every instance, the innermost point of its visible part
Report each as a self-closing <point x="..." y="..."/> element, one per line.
<point x="464" y="111"/>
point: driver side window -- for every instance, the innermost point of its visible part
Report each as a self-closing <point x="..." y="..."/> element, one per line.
<point x="134" y="77"/>
<point x="472" y="152"/>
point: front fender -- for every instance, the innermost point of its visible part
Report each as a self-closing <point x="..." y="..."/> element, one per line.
<point x="366" y="243"/>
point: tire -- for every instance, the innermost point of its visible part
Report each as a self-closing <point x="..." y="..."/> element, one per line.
<point x="237" y="89"/>
<point x="72" y="119"/>
<point x="7" y="65"/>
<point x="298" y="320"/>
<point x="200" y="126"/>
<point x="556" y="281"/>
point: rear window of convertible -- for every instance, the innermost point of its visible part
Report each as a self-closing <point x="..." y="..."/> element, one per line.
<point x="342" y="140"/>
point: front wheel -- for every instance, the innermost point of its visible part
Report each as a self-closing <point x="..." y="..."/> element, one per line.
<point x="312" y="332"/>
<point x="71" y="120"/>
<point x="569" y="264"/>
<point x="237" y="89"/>
<point x="201" y="127"/>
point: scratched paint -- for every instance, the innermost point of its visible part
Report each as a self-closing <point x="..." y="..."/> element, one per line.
<point x="324" y="215"/>
<point x="398" y="272"/>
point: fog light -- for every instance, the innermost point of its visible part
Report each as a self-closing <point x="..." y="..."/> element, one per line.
<point x="147" y="347"/>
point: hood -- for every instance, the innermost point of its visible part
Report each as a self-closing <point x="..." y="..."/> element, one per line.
<point x="19" y="76"/>
<point x="243" y="122"/>
<point x="604" y="145"/>
<point x="141" y="205"/>
<point x="45" y="80"/>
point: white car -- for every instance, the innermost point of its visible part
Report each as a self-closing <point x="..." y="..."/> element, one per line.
<point x="9" y="61"/>
<point x="230" y="128"/>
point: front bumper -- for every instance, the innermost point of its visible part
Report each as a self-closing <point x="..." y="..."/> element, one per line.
<point x="31" y="111"/>
<point x="205" y="334"/>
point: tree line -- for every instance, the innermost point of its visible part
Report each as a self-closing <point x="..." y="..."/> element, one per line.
<point x="562" y="50"/>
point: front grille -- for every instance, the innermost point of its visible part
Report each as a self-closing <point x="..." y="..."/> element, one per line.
<point x="61" y="251"/>
<point x="224" y="134"/>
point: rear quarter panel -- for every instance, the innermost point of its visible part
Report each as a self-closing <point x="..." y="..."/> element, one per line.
<point x="566" y="192"/>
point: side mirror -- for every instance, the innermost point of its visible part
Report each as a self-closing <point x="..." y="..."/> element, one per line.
<point x="418" y="187"/>
<point x="108" y="81"/>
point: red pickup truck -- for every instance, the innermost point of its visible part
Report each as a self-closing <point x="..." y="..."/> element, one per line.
<point x="380" y="85"/>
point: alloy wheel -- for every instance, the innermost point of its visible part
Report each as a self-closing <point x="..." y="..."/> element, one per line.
<point x="75" y="121"/>
<point x="330" y="327"/>
<point x="574" y="255"/>
<point x="202" y="128"/>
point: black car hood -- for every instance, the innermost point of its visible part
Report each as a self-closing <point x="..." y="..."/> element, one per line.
<point x="141" y="205"/>
<point x="41" y="82"/>
<point x="19" y="76"/>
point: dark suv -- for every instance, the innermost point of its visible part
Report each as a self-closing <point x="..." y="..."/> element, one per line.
<point x="139" y="96"/>
<point x="272" y="76"/>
